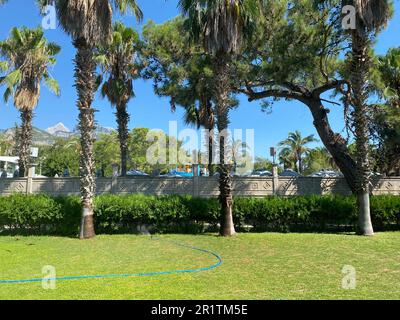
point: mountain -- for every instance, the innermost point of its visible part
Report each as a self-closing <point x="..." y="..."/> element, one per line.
<point x="40" y="137"/>
<point x="103" y="130"/>
<point x="49" y="136"/>
<point x="59" y="130"/>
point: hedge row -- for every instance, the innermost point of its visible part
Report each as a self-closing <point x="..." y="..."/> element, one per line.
<point x="40" y="214"/>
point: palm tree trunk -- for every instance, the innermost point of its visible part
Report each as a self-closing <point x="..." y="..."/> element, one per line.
<point x="123" y="134"/>
<point x="359" y="76"/>
<point x="299" y="155"/>
<point x="222" y="89"/>
<point x="210" y="151"/>
<point x="25" y="141"/>
<point x="85" y="84"/>
<point x="211" y="137"/>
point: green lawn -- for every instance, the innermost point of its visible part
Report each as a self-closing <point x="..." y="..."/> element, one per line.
<point x="256" y="266"/>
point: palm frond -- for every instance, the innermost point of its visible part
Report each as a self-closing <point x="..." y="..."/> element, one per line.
<point x="53" y="86"/>
<point x="7" y="94"/>
<point x="28" y="56"/>
<point x="4" y="65"/>
<point x="91" y="20"/>
<point x="13" y="78"/>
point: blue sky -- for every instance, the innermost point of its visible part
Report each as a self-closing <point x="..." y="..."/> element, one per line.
<point x="148" y="110"/>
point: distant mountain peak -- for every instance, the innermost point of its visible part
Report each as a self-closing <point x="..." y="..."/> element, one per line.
<point x="49" y="136"/>
<point x="58" y="128"/>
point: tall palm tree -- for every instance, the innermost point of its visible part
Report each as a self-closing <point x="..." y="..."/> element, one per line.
<point x="222" y="26"/>
<point x="89" y="23"/>
<point x="28" y="58"/>
<point x="117" y="61"/>
<point x="203" y="116"/>
<point x="295" y="147"/>
<point x="371" y="17"/>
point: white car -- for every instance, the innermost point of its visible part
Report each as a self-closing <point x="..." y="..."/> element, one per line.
<point x="136" y="173"/>
<point x="326" y="174"/>
<point x="289" y="173"/>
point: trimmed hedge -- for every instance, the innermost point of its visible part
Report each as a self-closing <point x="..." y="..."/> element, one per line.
<point x="165" y="214"/>
<point x="38" y="214"/>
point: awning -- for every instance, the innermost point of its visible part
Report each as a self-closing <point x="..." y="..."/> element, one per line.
<point x="9" y="159"/>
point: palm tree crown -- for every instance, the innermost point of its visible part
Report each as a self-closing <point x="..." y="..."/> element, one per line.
<point x="28" y="58"/>
<point x="221" y="24"/>
<point x="372" y="15"/>
<point x="117" y="61"/>
<point x="295" y="146"/>
<point x="91" y="19"/>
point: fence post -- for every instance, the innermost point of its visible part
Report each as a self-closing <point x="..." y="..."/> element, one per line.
<point x="195" y="170"/>
<point x="31" y="174"/>
<point x="275" y="180"/>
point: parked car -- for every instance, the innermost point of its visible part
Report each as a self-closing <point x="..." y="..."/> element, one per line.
<point x="289" y="173"/>
<point x="136" y="173"/>
<point x="259" y="173"/>
<point x="327" y="174"/>
<point x="171" y="175"/>
<point x="265" y="173"/>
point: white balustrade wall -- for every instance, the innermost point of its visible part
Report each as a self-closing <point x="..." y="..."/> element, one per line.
<point x="196" y="186"/>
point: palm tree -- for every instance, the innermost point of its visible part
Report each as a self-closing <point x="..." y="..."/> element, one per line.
<point x="203" y="116"/>
<point x="89" y="23"/>
<point x="117" y="61"/>
<point x="294" y="148"/>
<point x="28" y="58"/>
<point x="287" y="159"/>
<point x="318" y="159"/>
<point x="6" y="145"/>
<point x="241" y="157"/>
<point x="222" y="26"/>
<point x="386" y="117"/>
<point x="372" y="16"/>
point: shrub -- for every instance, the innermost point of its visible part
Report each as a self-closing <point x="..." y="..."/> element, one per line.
<point x="34" y="214"/>
<point x="385" y="211"/>
<point x="185" y="214"/>
<point x="70" y="215"/>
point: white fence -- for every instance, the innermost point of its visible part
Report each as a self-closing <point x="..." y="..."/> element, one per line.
<point x="196" y="186"/>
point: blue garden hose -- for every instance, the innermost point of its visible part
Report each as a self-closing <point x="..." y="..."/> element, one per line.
<point x="129" y="275"/>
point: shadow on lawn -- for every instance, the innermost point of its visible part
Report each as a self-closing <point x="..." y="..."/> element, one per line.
<point x="193" y="228"/>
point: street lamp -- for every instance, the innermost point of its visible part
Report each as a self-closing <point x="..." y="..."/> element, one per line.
<point x="272" y="152"/>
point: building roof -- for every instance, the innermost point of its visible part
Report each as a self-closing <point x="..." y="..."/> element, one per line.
<point x="9" y="159"/>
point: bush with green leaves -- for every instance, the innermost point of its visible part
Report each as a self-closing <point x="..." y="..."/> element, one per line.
<point x="167" y="213"/>
<point x="30" y="213"/>
<point x="185" y="214"/>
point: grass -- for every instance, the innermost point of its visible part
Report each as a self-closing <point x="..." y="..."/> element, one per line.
<point x="256" y="266"/>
